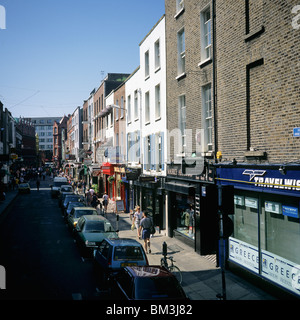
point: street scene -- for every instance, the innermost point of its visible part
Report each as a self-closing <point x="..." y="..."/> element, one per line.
<point x="43" y="262"/>
<point x="153" y="156"/>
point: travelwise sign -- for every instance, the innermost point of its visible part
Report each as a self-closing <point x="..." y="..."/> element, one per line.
<point x="266" y="180"/>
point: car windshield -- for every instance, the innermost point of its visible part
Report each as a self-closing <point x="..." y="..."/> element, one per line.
<point x="158" y="288"/>
<point x="70" y="199"/>
<point x="59" y="183"/>
<point x="80" y="213"/>
<point x="124" y="253"/>
<point x="23" y="185"/>
<point x="66" y="189"/>
<point x="71" y="205"/>
<point x="98" y="226"/>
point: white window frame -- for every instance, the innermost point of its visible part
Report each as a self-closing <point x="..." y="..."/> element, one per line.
<point x="157" y="102"/>
<point x="147" y="64"/>
<point x="129" y="109"/>
<point x="157" y="55"/>
<point x="179" y="6"/>
<point x="181" y="51"/>
<point x="207" y="117"/>
<point x="206" y="34"/>
<point x="136" y="105"/>
<point x="182" y="120"/>
<point x="147" y="107"/>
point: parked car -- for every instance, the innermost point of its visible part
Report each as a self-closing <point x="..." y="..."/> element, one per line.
<point x="91" y="230"/>
<point x="78" y="212"/>
<point x="57" y="183"/>
<point x="114" y="254"/>
<point x="146" y="283"/>
<point x="66" y="188"/>
<point x="70" y="198"/>
<point x="71" y="205"/>
<point x="24" y="188"/>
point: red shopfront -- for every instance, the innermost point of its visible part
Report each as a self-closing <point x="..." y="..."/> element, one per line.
<point x="108" y="179"/>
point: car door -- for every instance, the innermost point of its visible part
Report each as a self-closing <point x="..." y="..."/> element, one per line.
<point x="79" y="231"/>
<point x="102" y="255"/>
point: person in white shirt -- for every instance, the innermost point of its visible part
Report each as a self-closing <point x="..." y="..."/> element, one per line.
<point x="137" y="217"/>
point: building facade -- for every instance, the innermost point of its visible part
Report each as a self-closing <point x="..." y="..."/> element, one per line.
<point x="258" y="118"/>
<point x="44" y="129"/>
<point x="190" y="122"/>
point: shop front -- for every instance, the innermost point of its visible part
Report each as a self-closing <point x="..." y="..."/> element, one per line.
<point x="266" y="237"/>
<point x="152" y="196"/>
<point x="108" y="179"/>
<point x="187" y="208"/>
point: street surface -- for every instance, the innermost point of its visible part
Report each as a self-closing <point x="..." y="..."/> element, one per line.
<point x="39" y="254"/>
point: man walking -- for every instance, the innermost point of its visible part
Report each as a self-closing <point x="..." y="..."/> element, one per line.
<point x="145" y="225"/>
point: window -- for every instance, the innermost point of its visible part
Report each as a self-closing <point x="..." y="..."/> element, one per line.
<point x="182" y="120"/>
<point x="179" y="5"/>
<point x="157" y="101"/>
<point x="147" y="107"/>
<point x="157" y="54"/>
<point x="147" y="67"/>
<point x="159" y="161"/>
<point x="181" y="51"/>
<point x="207" y="111"/>
<point x="129" y="108"/>
<point x="136" y="105"/>
<point x="122" y="107"/>
<point x="117" y="110"/>
<point x="112" y="118"/>
<point x="205" y="35"/>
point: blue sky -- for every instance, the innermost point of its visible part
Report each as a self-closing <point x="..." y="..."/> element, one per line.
<point x="54" y="52"/>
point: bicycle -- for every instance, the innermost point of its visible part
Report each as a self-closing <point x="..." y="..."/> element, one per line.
<point x="172" y="268"/>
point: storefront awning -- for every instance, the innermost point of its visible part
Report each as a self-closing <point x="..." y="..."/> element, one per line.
<point x="181" y="187"/>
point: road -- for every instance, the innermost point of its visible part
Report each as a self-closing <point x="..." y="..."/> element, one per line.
<point x="39" y="254"/>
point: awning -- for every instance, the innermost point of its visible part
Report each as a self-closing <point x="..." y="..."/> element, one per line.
<point x="181" y="187"/>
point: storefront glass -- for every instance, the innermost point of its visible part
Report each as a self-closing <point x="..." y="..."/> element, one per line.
<point x="185" y="222"/>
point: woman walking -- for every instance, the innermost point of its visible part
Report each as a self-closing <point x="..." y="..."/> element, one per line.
<point x="137" y="217"/>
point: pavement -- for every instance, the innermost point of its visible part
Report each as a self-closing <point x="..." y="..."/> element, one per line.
<point x="202" y="280"/>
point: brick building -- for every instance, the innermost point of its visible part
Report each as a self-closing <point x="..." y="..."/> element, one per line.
<point x="257" y="105"/>
<point x="190" y="117"/>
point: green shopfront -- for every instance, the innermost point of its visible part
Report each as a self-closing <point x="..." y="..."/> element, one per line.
<point x="266" y="238"/>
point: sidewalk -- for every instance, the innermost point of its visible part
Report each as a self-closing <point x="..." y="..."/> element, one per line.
<point x="9" y="197"/>
<point x="201" y="279"/>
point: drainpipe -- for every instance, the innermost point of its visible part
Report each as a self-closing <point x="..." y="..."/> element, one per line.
<point x="214" y="77"/>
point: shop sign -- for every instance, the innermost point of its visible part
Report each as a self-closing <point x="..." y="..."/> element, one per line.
<point x="292" y="212"/>
<point x="244" y="254"/>
<point x="273" y="207"/>
<point x="261" y="180"/>
<point x="275" y="268"/>
<point x="281" y="271"/>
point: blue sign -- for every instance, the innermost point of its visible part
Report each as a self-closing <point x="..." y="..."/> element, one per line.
<point x="261" y="179"/>
<point x="296" y="132"/>
<point x="290" y="211"/>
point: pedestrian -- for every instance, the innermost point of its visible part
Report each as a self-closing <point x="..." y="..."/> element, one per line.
<point x="94" y="202"/>
<point x="38" y="184"/>
<point x="137" y="217"/>
<point x="105" y="201"/>
<point x="145" y="227"/>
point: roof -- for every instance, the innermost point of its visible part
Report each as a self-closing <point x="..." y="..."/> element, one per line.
<point x="123" y="241"/>
<point x="148" y="271"/>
